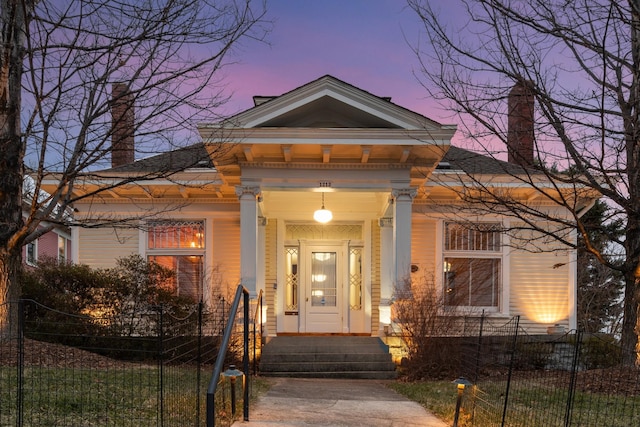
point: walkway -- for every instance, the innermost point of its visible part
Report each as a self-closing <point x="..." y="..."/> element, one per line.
<point x="293" y="402"/>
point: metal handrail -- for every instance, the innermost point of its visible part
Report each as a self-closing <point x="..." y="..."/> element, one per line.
<point x="217" y="369"/>
<point x="255" y="320"/>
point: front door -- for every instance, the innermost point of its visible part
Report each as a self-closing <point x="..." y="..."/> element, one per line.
<point x="324" y="288"/>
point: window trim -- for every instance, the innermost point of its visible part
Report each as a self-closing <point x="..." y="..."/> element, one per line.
<point x="185" y="251"/>
<point x="502" y="307"/>
<point x="61" y="256"/>
<point x="32" y="262"/>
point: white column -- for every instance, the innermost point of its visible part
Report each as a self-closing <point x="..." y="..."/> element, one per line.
<point x="248" y="196"/>
<point x="403" y="200"/>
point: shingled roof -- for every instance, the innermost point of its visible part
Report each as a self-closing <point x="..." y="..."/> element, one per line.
<point x="192" y="156"/>
<point x="469" y="162"/>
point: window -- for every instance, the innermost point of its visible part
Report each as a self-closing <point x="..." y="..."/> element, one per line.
<point x="62" y="250"/>
<point x="472" y="265"/>
<point x="32" y="252"/>
<point x="291" y="279"/>
<point x="179" y="246"/>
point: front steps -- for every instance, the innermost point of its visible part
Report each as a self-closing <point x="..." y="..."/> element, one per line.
<point x="327" y="357"/>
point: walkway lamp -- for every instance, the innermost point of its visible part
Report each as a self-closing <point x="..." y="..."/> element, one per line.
<point x="461" y="383"/>
<point x="232" y="373"/>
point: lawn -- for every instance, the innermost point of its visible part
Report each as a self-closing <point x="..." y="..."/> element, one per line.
<point x="531" y="404"/>
<point x="120" y="397"/>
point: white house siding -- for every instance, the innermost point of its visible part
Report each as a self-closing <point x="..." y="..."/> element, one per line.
<point x="375" y="276"/>
<point x="101" y="247"/>
<point x="540" y="287"/>
<point x="423" y="251"/>
<point x="225" y="260"/>
<point x="271" y="274"/>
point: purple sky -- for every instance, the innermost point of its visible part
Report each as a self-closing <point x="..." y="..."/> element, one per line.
<point x="366" y="43"/>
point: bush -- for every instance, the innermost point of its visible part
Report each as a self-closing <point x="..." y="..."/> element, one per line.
<point x="600" y="351"/>
<point x="433" y="351"/>
<point x="121" y="301"/>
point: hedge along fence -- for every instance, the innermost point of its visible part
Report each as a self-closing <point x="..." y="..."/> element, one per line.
<point x="69" y="370"/>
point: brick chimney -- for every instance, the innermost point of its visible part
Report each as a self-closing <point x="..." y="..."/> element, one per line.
<point x="122" y="125"/>
<point x="520" y="132"/>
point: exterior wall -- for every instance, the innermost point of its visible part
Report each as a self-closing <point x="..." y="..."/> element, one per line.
<point x="48" y="246"/>
<point x="271" y="275"/>
<point x="225" y="259"/>
<point x="538" y="285"/>
<point x="423" y="250"/>
<point x="540" y="289"/>
<point x="100" y="247"/>
<point x="375" y="277"/>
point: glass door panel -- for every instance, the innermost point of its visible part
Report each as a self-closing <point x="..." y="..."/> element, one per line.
<point x="323" y="279"/>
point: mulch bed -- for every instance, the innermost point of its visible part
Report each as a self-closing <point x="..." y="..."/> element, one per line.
<point x="39" y="353"/>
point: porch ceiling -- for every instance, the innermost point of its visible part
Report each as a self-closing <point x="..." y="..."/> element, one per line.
<point x="345" y="205"/>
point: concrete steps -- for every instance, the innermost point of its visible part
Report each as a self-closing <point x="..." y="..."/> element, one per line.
<point x="327" y="357"/>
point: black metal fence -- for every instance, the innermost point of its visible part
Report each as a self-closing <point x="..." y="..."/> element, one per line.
<point x="558" y="379"/>
<point x="63" y="370"/>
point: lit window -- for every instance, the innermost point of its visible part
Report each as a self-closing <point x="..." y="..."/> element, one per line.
<point x="179" y="246"/>
<point x="472" y="265"/>
<point x="291" y="278"/>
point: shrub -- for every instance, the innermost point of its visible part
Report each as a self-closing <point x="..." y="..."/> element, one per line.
<point x="432" y="349"/>
<point x="600" y="351"/>
<point x="121" y="301"/>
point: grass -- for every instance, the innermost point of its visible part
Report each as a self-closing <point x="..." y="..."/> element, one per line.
<point x="531" y="404"/>
<point x="123" y="397"/>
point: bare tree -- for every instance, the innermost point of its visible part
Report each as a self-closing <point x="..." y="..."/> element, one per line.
<point x="70" y="74"/>
<point x="580" y="62"/>
<point x="599" y="287"/>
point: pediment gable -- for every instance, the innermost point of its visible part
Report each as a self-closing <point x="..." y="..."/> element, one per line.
<point x="329" y="103"/>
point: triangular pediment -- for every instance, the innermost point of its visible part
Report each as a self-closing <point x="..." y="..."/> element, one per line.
<point x="329" y="103"/>
<point x="328" y="112"/>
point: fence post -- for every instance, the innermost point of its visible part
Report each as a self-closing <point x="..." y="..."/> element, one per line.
<point x="161" y="363"/>
<point x="513" y="355"/>
<point x="199" y="362"/>
<point x="20" y="336"/>
<point x="245" y="399"/>
<point x="572" y="381"/>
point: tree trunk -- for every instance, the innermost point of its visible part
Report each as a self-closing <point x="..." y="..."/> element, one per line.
<point x="630" y="320"/>
<point x="13" y="24"/>
<point x="10" y="264"/>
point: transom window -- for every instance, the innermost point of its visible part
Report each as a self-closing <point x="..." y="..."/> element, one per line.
<point x="179" y="246"/>
<point x="176" y="235"/>
<point x="472" y="265"/>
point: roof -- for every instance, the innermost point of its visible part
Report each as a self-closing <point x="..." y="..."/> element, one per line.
<point x="469" y="162"/>
<point x="192" y="156"/>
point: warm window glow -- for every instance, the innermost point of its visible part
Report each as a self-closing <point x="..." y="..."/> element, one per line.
<point x="179" y="246"/>
<point x="188" y="274"/>
<point x="176" y="235"/>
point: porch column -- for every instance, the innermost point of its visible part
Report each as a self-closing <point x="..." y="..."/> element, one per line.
<point x="248" y="196"/>
<point x="403" y="200"/>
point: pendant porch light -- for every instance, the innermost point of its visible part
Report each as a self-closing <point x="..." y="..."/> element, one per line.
<point x="322" y="215"/>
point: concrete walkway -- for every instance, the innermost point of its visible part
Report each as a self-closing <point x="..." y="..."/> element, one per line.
<point x="294" y="402"/>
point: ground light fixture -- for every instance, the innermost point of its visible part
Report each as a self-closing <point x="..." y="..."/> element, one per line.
<point x="461" y="383"/>
<point x="232" y="373"/>
<point x="323" y="215"/>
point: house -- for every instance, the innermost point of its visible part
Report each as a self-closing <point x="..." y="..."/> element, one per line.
<point x="246" y="207"/>
<point x="53" y="244"/>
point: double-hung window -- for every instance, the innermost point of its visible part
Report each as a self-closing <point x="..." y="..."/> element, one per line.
<point x="472" y="265"/>
<point x="179" y="246"/>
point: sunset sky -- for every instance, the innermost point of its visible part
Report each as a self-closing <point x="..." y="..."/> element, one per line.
<point x="366" y="43"/>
